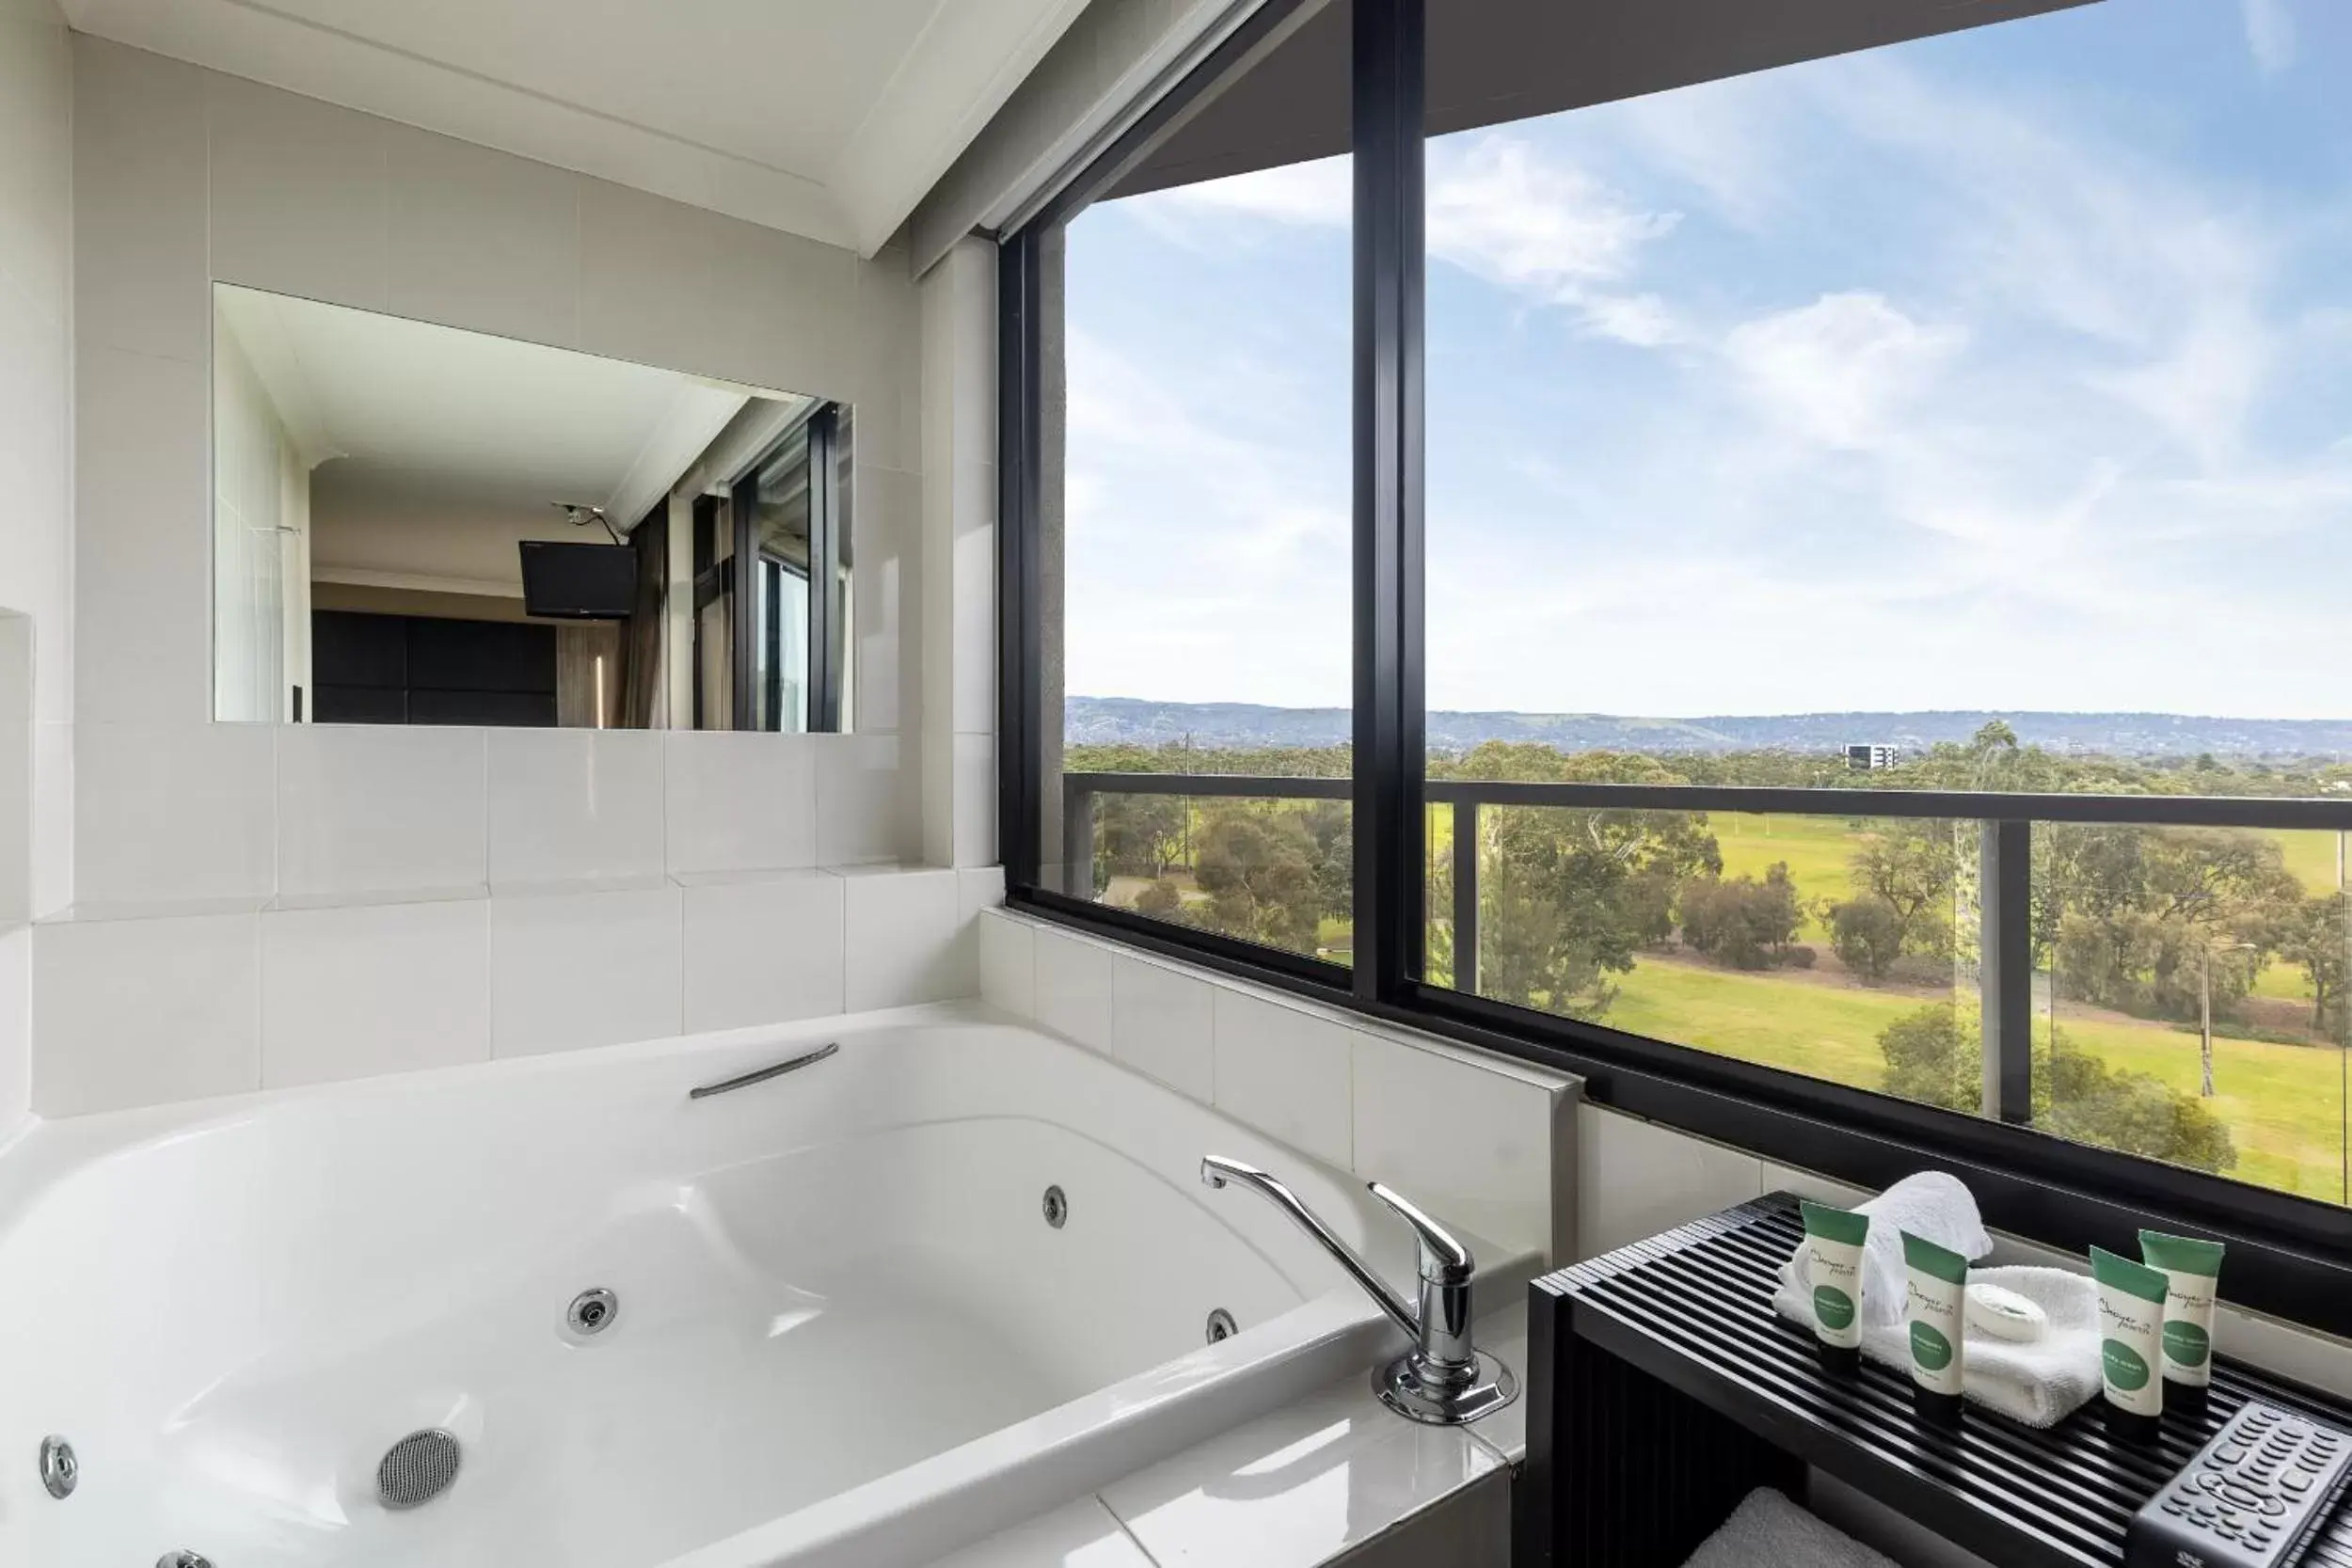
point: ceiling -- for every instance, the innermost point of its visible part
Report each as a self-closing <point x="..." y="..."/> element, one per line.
<point x="827" y="118"/>
<point x="424" y="407"/>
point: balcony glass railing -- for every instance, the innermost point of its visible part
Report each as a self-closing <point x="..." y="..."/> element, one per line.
<point x="2162" y="975"/>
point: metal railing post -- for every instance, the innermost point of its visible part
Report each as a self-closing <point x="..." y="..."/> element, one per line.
<point x="1077" y="839"/>
<point x="1466" y="896"/>
<point x="2005" y="971"/>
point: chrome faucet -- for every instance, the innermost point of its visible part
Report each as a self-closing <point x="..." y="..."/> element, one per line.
<point x="1441" y="1381"/>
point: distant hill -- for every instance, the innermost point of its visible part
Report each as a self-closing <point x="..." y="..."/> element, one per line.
<point x="1111" y="721"/>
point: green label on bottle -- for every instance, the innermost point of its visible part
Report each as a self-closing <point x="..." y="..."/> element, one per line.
<point x="1931" y="1350"/>
<point x="1833" y="1306"/>
<point x="2124" y="1367"/>
<point x="2186" y="1344"/>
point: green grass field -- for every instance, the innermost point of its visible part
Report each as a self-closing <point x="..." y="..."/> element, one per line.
<point x="2283" y="1104"/>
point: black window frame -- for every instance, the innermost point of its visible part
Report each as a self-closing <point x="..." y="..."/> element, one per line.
<point x="2290" y="1256"/>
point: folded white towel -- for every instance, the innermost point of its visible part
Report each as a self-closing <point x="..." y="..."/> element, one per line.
<point x="1767" y="1530"/>
<point x="1932" y="1205"/>
<point x="2039" y="1383"/>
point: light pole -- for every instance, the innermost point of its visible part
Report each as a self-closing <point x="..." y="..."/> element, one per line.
<point x="2204" y="1005"/>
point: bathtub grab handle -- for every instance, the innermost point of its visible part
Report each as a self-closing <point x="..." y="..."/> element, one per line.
<point x="761" y="1075"/>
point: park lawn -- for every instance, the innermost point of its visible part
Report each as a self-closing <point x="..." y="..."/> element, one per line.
<point x="2310" y="855"/>
<point x="2282" y="1104"/>
<point x="2283" y="982"/>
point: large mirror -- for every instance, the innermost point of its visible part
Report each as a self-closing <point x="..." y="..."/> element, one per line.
<point x="418" y="525"/>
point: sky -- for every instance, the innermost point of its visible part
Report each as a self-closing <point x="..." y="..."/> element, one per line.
<point x="2005" y="370"/>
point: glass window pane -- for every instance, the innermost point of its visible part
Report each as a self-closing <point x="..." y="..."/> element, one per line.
<point x="1964" y="415"/>
<point x="1198" y="483"/>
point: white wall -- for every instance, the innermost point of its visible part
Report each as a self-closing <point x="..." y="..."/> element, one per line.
<point x="36" y="524"/>
<point x="316" y="902"/>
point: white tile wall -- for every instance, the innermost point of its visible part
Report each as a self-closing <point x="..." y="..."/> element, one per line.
<point x="1362" y="1096"/>
<point x="16" y="1027"/>
<point x="569" y="971"/>
<point x="859" y="814"/>
<point x="369" y="809"/>
<point x="1498" y="1176"/>
<point x="298" y="195"/>
<point x="574" y="805"/>
<point x="478" y="239"/>
<point x="356" y="991"/>
<point x="142" y="636"/>
<point x="201" y="830"/>
<point x="762" y="949"/>
<point x="900" y="931"/>
<point x="738" y="801"/>
<point x="1287" y="1071"/>
<point x="179" y="176"/>
<point x="140" y="193"/>
<point x="1162" y="1023"/>
<point x="126" y="1012"/>
<point x="959" y="584"/>
<point x="1073" y="987"/>
<point x="974" y="799"/>
<point x="16" y="781"/>
<point x="1634" y="1178"/>
<point x="1008" y="966"/>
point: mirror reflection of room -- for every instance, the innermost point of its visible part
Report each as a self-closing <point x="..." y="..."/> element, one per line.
<point x="418" y="525"/>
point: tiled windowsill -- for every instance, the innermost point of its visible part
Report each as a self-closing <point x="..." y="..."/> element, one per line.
<point x="1294" y="1488"/>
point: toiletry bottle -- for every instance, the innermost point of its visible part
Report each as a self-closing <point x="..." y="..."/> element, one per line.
<point x="1935" y="1308"/>
<point x="2131" y="1335"/>
<point x="1834" y="1239"/>
<point x="2191" y="1270"/>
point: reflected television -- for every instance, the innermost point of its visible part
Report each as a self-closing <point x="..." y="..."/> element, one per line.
<point x="578" y="582"/>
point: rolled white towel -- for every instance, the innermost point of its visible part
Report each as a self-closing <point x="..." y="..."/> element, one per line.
<point x="1932" y="1205"/>
<point x="1767" y="1530"/>
<point x="2037" y="1381"/>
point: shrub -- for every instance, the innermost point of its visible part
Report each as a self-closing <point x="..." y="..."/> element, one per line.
<point x="1867" y="933"/>
<point x="1740" y="921"/>
<point x="1160" y="898"/>
<point x="1935" y="1056"/>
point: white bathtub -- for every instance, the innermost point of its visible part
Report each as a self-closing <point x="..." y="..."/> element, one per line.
<point x="846" y="1331"/>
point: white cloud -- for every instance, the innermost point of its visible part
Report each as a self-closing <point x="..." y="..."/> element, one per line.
<point x="1841" y="369"/>
<point x="1500" y="210"/>
<point x="2269" y="34"/>
<point x="1495" y="207"/>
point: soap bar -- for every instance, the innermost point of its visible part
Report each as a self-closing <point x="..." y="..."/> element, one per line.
<point x="2005" y="1314"/>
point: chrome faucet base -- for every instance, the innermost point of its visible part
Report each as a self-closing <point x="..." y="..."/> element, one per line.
<point x="1402" y="1389"/>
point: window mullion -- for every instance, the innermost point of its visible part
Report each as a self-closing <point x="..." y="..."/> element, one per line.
<point x="1388" y="825"/>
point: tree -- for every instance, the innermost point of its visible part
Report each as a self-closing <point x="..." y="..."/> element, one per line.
<point x="1993" y="753"/>
<point x="2313" y="934"/>
<point x="1866" y="935"/>
<point x="1935" y="1055"/>
<point x="2153" y="920"/>
<point x="1742" y="922"/>
<point x="1912" y="865"/>
<point x="1138" y="835"/>
<point x="1569" y="896"/>
<point x="1258" y="870"/>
